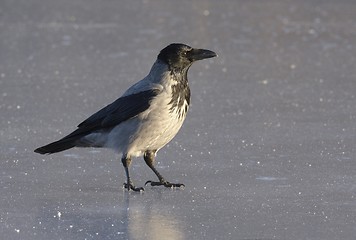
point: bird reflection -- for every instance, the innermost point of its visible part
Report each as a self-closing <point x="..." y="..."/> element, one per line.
<point x="148" y="222"/>
<point x="133" y="216"/>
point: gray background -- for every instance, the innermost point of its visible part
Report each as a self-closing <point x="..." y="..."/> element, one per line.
<point x="268" y="147"/>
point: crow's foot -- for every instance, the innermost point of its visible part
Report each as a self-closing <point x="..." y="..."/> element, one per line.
<point x="130" y="186"/>
<point x="166" y="184"/>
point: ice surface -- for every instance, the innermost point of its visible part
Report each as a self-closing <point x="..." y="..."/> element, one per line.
<point x="268" y="148"/>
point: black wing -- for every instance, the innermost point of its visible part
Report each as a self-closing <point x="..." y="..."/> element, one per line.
<point x="122" y="109"/>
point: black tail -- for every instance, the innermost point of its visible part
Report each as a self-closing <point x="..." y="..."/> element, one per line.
<point x="57" y="146"/>
<point x="65" y="143"/>
<point x="69" y="141"/>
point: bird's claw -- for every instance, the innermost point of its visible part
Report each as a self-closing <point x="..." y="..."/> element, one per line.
<point x="130" y="186"/>
<point x="166" y="184"/>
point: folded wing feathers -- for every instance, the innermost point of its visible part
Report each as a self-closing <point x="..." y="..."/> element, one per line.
<point x="122" y="109"/>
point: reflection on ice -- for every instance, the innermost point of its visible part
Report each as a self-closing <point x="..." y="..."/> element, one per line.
<point x="72" y="155"/>
<point x="132" y="217"/>
<point x="153" y="226"/>
<point x="270" y="179"/>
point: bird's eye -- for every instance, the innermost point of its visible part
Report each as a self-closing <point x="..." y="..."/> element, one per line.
<point x="185" y="53"/>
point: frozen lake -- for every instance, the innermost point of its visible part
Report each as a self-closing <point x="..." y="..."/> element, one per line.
<point x="267" y="151"/>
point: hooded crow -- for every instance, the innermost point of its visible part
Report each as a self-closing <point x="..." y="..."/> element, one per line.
<point x="145" y="118"/>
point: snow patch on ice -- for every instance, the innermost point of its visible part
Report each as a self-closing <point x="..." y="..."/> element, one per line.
<point x="71" y="155"/>
<point x="270" y="179"/>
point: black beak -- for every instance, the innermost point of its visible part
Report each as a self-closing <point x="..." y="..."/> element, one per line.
<point x="199" y="54"/>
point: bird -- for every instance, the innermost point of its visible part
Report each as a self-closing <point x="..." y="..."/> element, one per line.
<point x="145" y="118"/>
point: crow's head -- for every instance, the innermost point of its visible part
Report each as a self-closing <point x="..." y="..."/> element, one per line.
<point x="180" y="56"/>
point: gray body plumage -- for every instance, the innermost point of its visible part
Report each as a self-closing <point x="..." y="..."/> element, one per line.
<point x="145" y="118"/>
<point x="152" y="128"/>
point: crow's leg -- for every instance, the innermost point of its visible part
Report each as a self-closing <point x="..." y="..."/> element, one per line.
<point x="149" y="157"/>
<point x="126" y="161"/>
